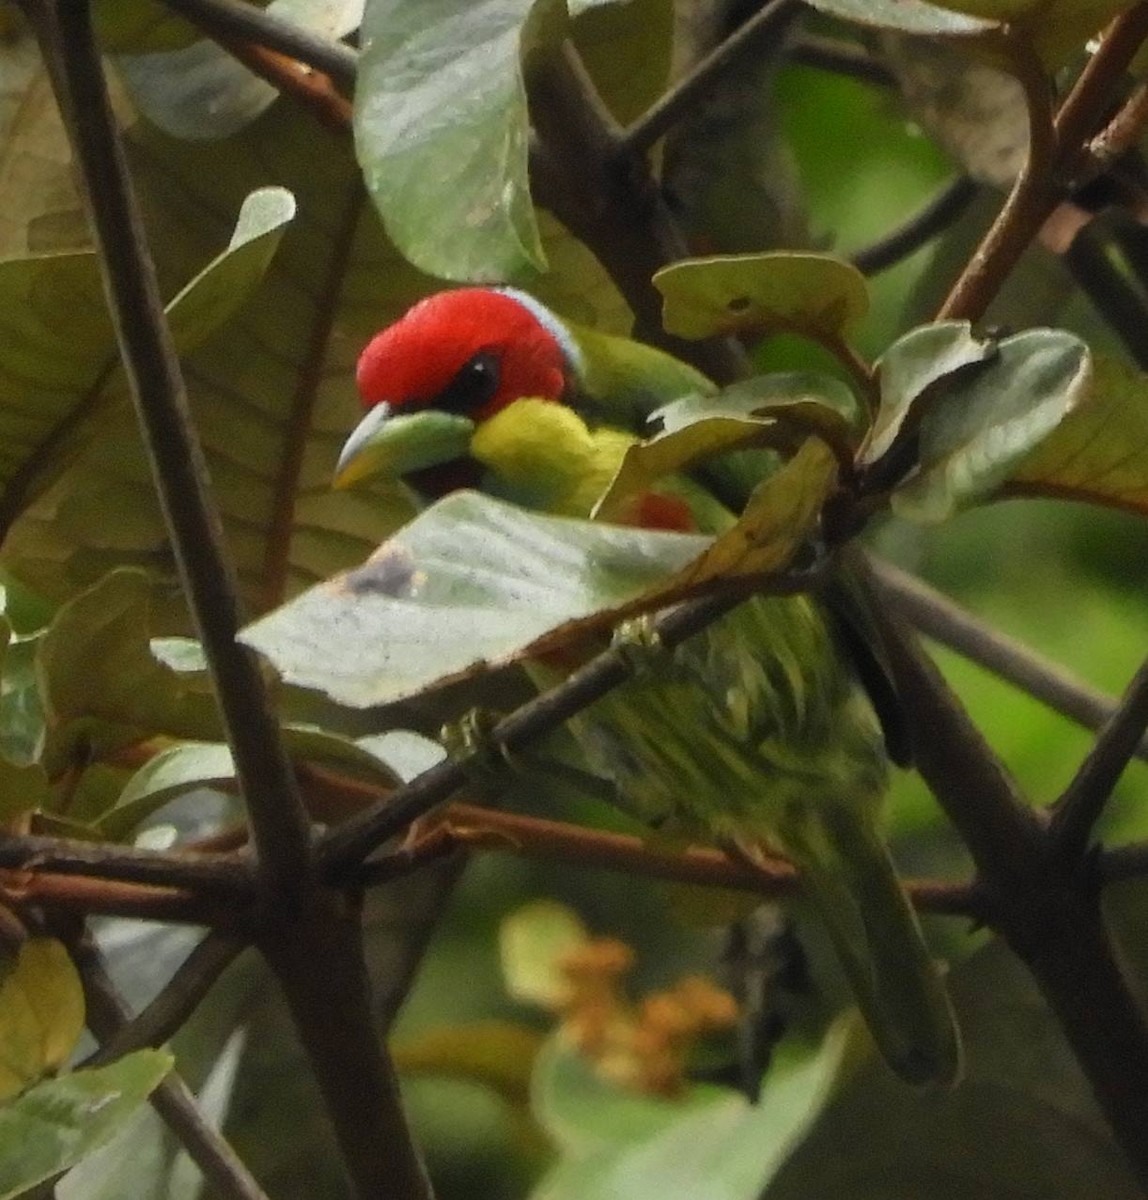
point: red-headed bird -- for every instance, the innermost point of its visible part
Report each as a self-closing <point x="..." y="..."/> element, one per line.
<point x="756" y="731"/>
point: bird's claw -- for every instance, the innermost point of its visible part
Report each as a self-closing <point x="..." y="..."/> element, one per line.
<point x="639" y="643"/>
<point x="470" y="742"/>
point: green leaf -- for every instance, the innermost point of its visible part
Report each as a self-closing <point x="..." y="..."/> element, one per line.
<point x="58" y="357"/>
<point x="40" y="207"/>
<point x="1023" y="1122"/>
<point x="972" y="441"/>
<point x="209" y="764"/>
<point x="909" y="373"/>
<point x="102" y="684"/>
<point x="801" y="292"/>
<point x="532" y="941"/>
<point x="140" y="27"/>
<point x="41" y="1015"/>
<point x="471" y="581"/>
<point x="55" y="1124"/>
<point x="441" y="103"/>
<point x="713" y="1143"/>
<point x="774" y="410"/>
<point x="907" y="16"/>
<point x="23" y="788"/>
<point x="780" y="515"/>
<point x="1099" y="452"/>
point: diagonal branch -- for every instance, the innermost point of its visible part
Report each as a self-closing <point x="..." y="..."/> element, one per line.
<point x="274" y="804"/>
<point x="231" y="22"/>
<point x="768" y="23"/>
<point x="107" y="1016"/>
<point x="165" y="1015"/>
<point x="939" y="618"/>
<point x="931" y="221"/>
<point x="1082" y="802"/>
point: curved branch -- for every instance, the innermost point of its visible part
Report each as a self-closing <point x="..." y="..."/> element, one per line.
<point x="165" y="1015"/>
<point x="770" y="21"/>
<point x="943" y="210"/>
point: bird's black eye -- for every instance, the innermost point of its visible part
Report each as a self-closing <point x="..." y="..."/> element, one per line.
<point x="475" y="384"/>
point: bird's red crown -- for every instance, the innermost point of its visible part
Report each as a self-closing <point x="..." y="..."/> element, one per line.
<point x="424" y="357"/>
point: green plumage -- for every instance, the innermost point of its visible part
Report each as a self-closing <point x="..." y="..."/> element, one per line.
<point x="754" y="732"/>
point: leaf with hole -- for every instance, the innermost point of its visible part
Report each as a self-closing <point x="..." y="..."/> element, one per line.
<point x="817" y="295"/>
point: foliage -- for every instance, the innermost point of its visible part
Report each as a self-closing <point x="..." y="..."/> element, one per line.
<point x="518" y="141"/>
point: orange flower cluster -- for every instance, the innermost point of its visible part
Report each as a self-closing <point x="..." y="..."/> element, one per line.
<point x="643" y="1046"/>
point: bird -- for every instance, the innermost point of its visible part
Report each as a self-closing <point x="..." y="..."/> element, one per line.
<point x="756" y="733"/>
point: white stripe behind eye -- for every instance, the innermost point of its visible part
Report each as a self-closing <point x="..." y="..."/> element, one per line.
<point x="568" y="346"/>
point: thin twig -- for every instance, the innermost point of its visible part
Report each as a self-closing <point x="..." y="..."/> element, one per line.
<point x="939" y="618"/>
<point x="1121" y="134"/>
<point x="932" y="220"/>
<point x="166" y="1014"/>
<point x="841" y="58"/>
<point x="770" y="21"/>
<point x="1043" y="183"/>
<point x="235" y="21"/>
<point x="225" y="875"/>
<point x="1082" y="802"/>
<point x="1032" y="198"/>
<point x="93" y="896"/>
<point x="107" y="1015"/>
<point x="278" y="818"/>
<point x="466" y="826"/>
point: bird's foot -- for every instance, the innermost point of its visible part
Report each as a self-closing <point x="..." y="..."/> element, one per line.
<point x="470" y="742"/>
<point x="639" y="644"/>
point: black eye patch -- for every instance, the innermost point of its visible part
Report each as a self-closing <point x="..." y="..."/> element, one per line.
<point x="474" y="384"/>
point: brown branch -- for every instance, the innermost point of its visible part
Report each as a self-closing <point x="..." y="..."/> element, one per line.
<point x="175" y="1002"/>
<point x="1033" y="196"/>
<point x="768" y="23"/>
<point x="95" y="896"/>
<point x="939" y="618"/>
<point x="107" y="1016"/>
<point x="232" y="23"/>
<point x="317" y="955"/>
<point x="1044" y="183"/>
<point x="278" y="818"/>
<point x="1083" y="801"/>
<point x="469" y="827"/>
<point x="224" y="875"/>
